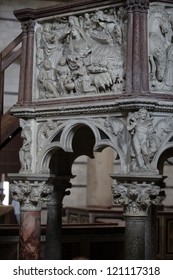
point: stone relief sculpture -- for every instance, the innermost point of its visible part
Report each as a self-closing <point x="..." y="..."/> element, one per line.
<point x="45" y="131"/>
<point x="160" y="48"/>
<point x="25" y="151"/>
<point x="146" y="138"/>
<point x="144" y="141"/>
<point x="118" y="129"/>
<point x="79" y="55"/>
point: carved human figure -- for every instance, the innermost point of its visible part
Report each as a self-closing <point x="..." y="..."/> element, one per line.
<point x="82" y="79"/>
<point x="144" y="143"/>
<point x="25" y="151"/>
<point x="168" y="78"/>
<point x="64" y="77"/>
<point x="46" y="79"/>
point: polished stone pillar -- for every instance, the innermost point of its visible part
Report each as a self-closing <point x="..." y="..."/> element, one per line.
<point x="31" y="192"/>
<point x="137" y="194"/>
<point x="137" y="77"/>
<point x="26" y="71"/>
<point x="54" y="218"/>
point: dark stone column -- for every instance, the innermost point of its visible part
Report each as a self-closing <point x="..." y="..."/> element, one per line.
<point x="136" y="194"/>
<point x="54" y="219"/>
<point x="135" y="237"/>
<point x="31" y="192"/>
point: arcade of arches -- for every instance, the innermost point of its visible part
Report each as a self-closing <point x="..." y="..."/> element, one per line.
<point x="95" y="77"/>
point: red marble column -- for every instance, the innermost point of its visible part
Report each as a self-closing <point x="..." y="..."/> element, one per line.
<point x="129" y="60"/>
<point x="29" y="62"/>
<point x="29" y="235"/>
<point x="144" y="51"/>
<point x="23" y="63"/>
<point x="136" y="51"/>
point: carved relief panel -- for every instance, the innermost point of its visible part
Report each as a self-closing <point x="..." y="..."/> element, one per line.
<point x="161" y="48"/>
<point x="80" y="54"/>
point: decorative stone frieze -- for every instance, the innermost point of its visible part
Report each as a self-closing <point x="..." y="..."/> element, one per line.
<point x="161" y="48"/>
<point x="30" y="192"/>
<point x="81" y="54"/>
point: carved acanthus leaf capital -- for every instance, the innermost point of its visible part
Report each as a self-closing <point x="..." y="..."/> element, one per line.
<point x="28" y="26"/>
<point x="31" y="194"/>
<point x="139" y="5"/>
<point x="137" y="197"/>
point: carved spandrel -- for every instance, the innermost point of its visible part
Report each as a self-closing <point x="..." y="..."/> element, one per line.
<point x="79" y="55"/>
<point x="31" y="195"/>
<point x="161" y="48"/>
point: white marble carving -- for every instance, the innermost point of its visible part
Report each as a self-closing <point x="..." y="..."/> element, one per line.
<point x="161" y="48"/>
<point x="144" y="141"/>
<point x="25" y="155"/>
<point x="82" y="54"/>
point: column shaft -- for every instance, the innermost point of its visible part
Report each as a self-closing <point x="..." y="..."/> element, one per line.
<point x="29" y="235"/>
<point x="54" y="232"/>
<point x="135" y="238"/>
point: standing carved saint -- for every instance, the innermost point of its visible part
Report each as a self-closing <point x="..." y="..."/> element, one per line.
<point x="144" y="141"/>
<point x="25" y="151"/>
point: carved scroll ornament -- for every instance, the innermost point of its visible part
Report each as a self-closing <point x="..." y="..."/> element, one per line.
<point x="81" y="55"/>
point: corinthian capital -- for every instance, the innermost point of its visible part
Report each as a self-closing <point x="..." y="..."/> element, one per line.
<point x="139" y="5"/>
<point x="31" y="193"/>
<point x="137" y="197"/>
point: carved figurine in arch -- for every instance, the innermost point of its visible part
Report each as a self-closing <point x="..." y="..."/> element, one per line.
<point x="144" y="141"/>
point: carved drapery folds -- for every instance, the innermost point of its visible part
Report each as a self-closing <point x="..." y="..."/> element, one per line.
<point x="31" y="193"/>
<point x="161" y="48"/>
<point x="82" y="54"/>
<point x="147" y="138"/>
<point x="137" y="197"/>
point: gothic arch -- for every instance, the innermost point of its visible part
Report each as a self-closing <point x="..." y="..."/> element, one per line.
<point x="63" y="136"/>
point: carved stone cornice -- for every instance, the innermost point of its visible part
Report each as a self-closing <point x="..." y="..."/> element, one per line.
<point x="92" y="107"/>
<point x="30" y="191"/>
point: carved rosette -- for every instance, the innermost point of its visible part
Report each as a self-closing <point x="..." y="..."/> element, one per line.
<point x="137" y="197"/>
<point x="31" y="194"/>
